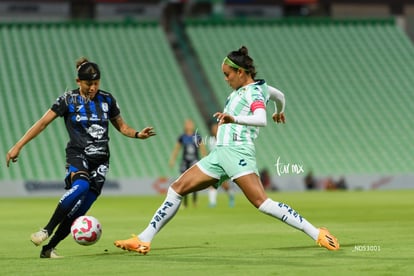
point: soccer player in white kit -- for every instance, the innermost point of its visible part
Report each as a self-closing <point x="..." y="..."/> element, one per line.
<point x="233" y="157"/>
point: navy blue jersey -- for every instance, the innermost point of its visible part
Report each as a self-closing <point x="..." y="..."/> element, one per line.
<point x="87" y="122"/>
<point x="190" y="145"/>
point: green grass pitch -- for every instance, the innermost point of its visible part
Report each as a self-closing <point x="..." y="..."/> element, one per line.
<point x="375" y="229"/>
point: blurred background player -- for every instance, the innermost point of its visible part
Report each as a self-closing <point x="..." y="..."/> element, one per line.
<point x="226" y="185"/>
<point x="234" y="157"/>
<point x="87" y="112"/>
<point x="191" y="144"/>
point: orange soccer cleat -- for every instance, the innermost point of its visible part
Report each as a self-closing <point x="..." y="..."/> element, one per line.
<point x="327" y="240"/>
<point x="134" y="244"/>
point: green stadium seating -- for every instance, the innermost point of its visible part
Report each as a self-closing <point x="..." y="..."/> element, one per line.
<point x="138" y="67"/>
<point x="347" y="85"/>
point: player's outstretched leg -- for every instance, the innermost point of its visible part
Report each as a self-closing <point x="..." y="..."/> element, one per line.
<point x="253" y="189"/>
<point x="288" y="215"/>
<point x="142" y="242"/>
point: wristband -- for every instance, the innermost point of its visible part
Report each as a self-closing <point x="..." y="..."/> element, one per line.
<point x="137" y="134"/>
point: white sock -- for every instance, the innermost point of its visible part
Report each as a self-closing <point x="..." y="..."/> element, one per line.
<point x="167" y="211"/>
<point x="212" y="196"/>
<point x="286" y="214"/>
<point x="230" y="192"/>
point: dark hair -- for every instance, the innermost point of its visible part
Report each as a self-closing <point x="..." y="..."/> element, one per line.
<point x="241" y="58"/>
<point x="87" y="70"/>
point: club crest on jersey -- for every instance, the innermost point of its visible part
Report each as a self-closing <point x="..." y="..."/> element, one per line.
<point x="105" y="107"/>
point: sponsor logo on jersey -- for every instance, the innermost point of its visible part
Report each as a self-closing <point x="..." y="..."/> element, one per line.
<point x="92" y="150"/>
<point x="96" y="131"/>
<point x="242" y="162"/>
<point x="94" y="118"/>
<point x="81" y="118"/>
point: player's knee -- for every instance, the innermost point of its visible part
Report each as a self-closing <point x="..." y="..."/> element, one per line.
<point x="181" y="187"/>
<point x="81" y="179"/>
<point x="257" y="202"/>
<point x="80" y="175"/>
<point x="177" y="187"/>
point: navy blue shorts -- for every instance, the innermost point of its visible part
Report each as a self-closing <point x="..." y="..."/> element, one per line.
<point x="97" y="170"/>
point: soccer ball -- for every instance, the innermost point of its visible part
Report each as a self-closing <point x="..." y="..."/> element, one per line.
<point x="86" y="230"/>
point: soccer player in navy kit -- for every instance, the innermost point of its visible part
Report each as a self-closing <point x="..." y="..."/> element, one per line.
<point x="191" y="143"/>
<point x="87" y="112"/>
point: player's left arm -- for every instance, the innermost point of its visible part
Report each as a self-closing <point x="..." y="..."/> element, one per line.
<point x="174" y="154"/>
<point x="279" y="99"/>
<point x="119" y="123"/>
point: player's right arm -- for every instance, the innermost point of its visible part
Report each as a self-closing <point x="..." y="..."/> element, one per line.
<point x="174" y="154"/>
<point x="35" y="130"/>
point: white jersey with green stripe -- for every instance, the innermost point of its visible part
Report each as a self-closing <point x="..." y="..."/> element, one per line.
<point x="239" y="103"/>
